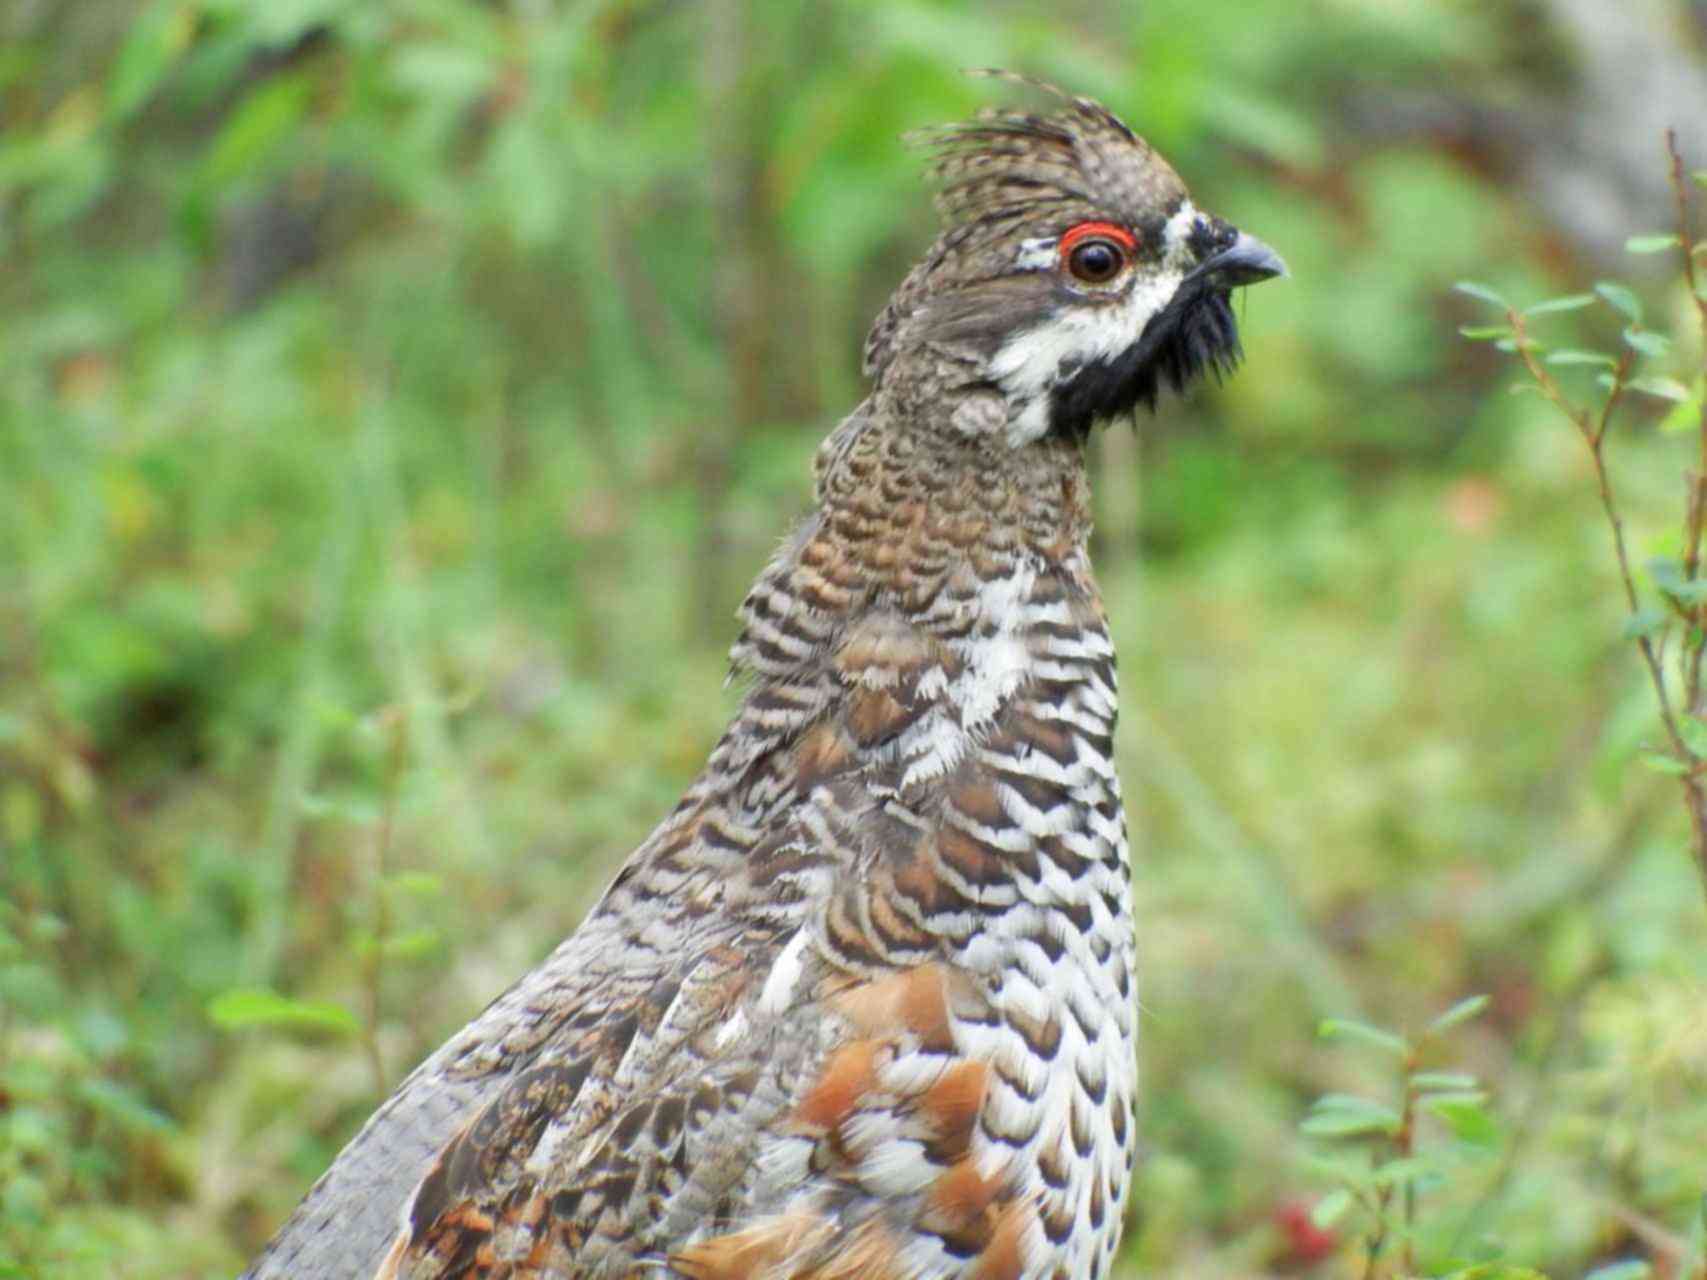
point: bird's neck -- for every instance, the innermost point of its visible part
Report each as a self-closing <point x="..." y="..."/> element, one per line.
<point x="922" y="522"/>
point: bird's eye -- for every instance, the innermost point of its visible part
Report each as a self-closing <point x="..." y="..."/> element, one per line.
<point x="1097" y="252"/>
<point x="1096" y="261"/>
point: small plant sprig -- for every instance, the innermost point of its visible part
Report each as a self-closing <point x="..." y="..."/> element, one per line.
<point x="381" y="741"/>
<point x="1674" y="613"/>
<point x="1376" y="1150"/>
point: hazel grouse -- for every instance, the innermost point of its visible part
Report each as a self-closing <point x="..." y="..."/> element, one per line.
<point x="863" y="1005"/>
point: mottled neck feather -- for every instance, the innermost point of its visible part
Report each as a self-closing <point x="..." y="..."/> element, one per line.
<point x="914" y="520"/>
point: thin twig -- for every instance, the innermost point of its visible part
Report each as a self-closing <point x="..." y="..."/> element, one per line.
<point x="1695" y="513"/>
<point x="1594" y="429"/>
<point x="1680" y="194"/>
<point x="1404" y="1146"/>
<point x="1695" y="517"/>
<point x="1378" y="1236"/>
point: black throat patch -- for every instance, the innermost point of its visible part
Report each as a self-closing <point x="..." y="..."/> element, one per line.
<point x="1193" y="335"/>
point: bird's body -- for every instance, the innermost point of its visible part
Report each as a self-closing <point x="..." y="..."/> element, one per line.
<point x="863" y="1005"/>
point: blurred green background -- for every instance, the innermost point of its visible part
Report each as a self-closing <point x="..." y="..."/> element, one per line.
<point x="396" y="399"/>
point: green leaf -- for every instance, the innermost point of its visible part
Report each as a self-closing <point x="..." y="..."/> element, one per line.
<point x="1344" y="1124"/>
<point x="1496" y="1271"/>
<point x="1694" y="734"/>
<point x="1664" y="388"/>
<point x="1482" y="292"/>
<point x="1331" y="1208"/>
<point x="1350" y="1029"/>
<point x="1652" y="244"/>
<point x="1629" y="1269"/>
<point x="1646" y="621"/>
<point x="1573" y="357"/>
<point x="1467" y="1118"/>
<point x="265" y="119"/>
<point x="1647" y="341"/>
<point x="1620" y="298"/>
<point x="1686" y="414"/>
<point x="1463" y="1011"/>
<point x="1343" y="1115"/>
<point x="1664" y="762"/>
<point x="1484" y="332"/>
<point x="1572" y="302"/>
<point x="1666" y="572"/>
<point x="244" y="1007"/>
<point x="1443" y="1080"/>
<point x="156" y="39"/>
<point x="1342" y="1166"/>
<point x="1581" y="357"/>
<point x="1413" y="1169"/>
<point x="1470" y="1097"/>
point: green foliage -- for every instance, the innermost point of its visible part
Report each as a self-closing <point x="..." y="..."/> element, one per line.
<point x="396" y="399"/>
<point x="256" y="1007"/>
<point x="1675" y="612"/>
<point x="1395" y="1162"/>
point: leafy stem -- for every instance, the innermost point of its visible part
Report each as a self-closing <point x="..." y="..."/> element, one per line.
<point x="1681" y="586"/>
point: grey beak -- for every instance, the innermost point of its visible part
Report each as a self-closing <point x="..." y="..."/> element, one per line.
<point x="1245" y="261"/>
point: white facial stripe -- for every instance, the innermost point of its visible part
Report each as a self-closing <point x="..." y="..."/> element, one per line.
<point x="1176" y="233"/>
<point x="1030" y="362"/>
<point x="1037" y="254"/>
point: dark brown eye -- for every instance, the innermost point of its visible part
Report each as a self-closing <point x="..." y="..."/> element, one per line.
<point x="1096" y="261"/>
<point x="1097" y="252"/>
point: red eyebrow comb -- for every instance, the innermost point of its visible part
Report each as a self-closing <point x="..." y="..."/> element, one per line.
<point x="1107" y="230"/>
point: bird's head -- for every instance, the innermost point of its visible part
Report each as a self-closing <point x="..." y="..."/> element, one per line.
<point x="1074" y="275"/>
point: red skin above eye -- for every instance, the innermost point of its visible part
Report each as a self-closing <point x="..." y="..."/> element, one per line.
<point x="1100" y="231"/>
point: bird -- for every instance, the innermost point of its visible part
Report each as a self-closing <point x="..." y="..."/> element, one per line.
<point x="864" y="1004"/>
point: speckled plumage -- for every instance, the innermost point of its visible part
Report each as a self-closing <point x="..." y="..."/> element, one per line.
<point x="863" y="1004"/>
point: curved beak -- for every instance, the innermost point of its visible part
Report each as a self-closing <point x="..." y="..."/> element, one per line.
<point x="1246" y="261"/>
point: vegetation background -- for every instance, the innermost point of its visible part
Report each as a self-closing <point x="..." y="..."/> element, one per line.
<point x="396" y="397"/>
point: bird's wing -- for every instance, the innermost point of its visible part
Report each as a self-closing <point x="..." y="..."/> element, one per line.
<point x="833" y="1136"/>
<point x="345" y="1224"/>
<point x="556" y="1070"/>
<point x="640" y="1105"/>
